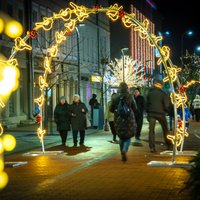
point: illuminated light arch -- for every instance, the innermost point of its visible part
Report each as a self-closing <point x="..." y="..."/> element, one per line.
<point x="71" y="16"/>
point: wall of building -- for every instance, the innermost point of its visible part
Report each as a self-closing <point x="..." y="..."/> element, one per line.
<point x="63" y="80"/>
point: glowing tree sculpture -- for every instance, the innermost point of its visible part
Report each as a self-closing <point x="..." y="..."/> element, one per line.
<point x="76" y="14"/>
<point x="125" y="69"/>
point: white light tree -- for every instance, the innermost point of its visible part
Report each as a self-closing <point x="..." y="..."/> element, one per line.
<point x="125" y="70"/>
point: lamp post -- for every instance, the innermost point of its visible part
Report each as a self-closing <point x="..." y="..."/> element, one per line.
<point x="122" y="50"/>
<point x="189" y="33"/>
<point x="197" y="50"/>
<point x="78" y="57"/>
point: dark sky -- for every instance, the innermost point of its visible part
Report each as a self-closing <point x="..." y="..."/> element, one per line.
<point x="178" y="17"/>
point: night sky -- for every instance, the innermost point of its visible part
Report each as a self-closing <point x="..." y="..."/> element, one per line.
<point x="178" y="17"/>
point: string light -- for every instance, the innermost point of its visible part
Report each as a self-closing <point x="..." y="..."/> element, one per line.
<point x="190" y="83"/>
<point x="172" y="72"/>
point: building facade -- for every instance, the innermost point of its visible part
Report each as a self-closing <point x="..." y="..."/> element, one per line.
<point x="93" y="43"/>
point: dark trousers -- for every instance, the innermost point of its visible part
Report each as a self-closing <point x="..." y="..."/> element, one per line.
<point x="152" y="122"/>
<point x="63" y="135"/>
<point x="75" y="136"/>
<point x="197" y="114"/>
<point x="112" y="127"/>
<point x="139" y="121"/>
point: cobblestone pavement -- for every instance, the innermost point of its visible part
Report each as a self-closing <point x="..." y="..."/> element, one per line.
<point x="96" y="172"/>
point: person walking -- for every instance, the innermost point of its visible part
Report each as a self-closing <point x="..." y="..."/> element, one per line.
<point x="62" y="118"/>
<point x="196" y="104"/>
<point x="139" y="99"/>
<point x="123" y="106"/>
<point x="109" y="117"/>
<point x="157" y="107"/>
<point x="94" y="104"/>
<point x="78" y="112"/>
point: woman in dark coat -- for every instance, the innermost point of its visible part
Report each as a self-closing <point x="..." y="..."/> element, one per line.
<point x="62" y="118"/>
<point x="78" y="112"/>
<point x="125" y="127"/>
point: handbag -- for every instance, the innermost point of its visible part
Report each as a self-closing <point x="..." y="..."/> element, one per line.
<point x="88" y="123"/>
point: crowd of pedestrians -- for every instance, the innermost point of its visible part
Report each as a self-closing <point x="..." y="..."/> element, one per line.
<point x="124" y="114"/>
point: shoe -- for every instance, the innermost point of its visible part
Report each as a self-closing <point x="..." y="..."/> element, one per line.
<point x="81" y="144"/>
<point x="124" y="156"/>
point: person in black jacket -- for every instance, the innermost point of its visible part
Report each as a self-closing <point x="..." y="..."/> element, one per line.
<point x="62" y="118"/>
<point x="124" y="127"/>
<point x="157" y="107"/>
<point x="139" y="99"/>
<point x="78" y="112"/>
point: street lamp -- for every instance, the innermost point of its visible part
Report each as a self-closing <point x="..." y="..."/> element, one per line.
<point x="198" y="49"/>
<point x="78" y="57"/>
<point x="189" y="33"/>
<point x="122" y="50"/>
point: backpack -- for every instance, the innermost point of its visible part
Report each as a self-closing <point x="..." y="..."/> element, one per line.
<point x="123" y="109"/>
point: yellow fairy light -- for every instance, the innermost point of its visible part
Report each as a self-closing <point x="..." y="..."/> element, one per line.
<point x="1" y="130"/>
<point x="80" y="11"/>
<point x="3" y="179"/>
<point x="40" y="101"/>
<point x="155" y="38"/>
<point x="189" y="83"/>
<point x="21" y="45"/>
<point x="13" y="29"/>
<point x="65" y="15"/>
<point x="53" y="51"/>
<point x="46" y="24"/>
<point x="127" y="20"/>
<point x="2" y="103"/>
<point x="181" y="99"/>
<point x="42" y="83"/>
<point x="41" y="133"/>
<point x="165" y="51"/>
<point x="9" y="142"/>
<point x="113" y="12"/>
<point x="1" y="25"/>
<point x="172" y="71"/>
<point x="71" y="25"/>
<point x="60" y="37"/>
<point x="47" y="62"/>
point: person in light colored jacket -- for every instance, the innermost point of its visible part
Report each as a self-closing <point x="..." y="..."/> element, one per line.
<point x="109" y="117"/>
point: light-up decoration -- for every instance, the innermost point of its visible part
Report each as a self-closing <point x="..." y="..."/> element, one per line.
<point x="13" y="29"/>
<point x="190" y="83"/>
<point x="173" y="72"/>
<point x="9" y="75"/>
<point x="1" y="25"/>
<point x="181" y="132"/>
<point x="133" y="73"/>
<point x="7" y="143"/>
<point x="71" y="16"/>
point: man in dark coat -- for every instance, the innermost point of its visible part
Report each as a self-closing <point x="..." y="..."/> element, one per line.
<point x="94" y="104"/>
<point x="78" y="112"/>
<point x="62" y="118"/>
<point x="125" y="127"/>
<point x="157" y="107"/>
<point x="139" y="99"/>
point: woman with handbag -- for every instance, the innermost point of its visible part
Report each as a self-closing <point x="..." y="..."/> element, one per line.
<point x="78" y="112"/>
<point x="109" y="118"/>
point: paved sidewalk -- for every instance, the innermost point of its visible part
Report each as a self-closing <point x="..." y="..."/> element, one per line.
<point x="95" y="172"/>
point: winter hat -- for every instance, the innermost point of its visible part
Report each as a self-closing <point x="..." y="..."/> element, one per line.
<point x="158" y="83"/>
<point x="76" y="95"/>
<point x="62" y="97"/>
